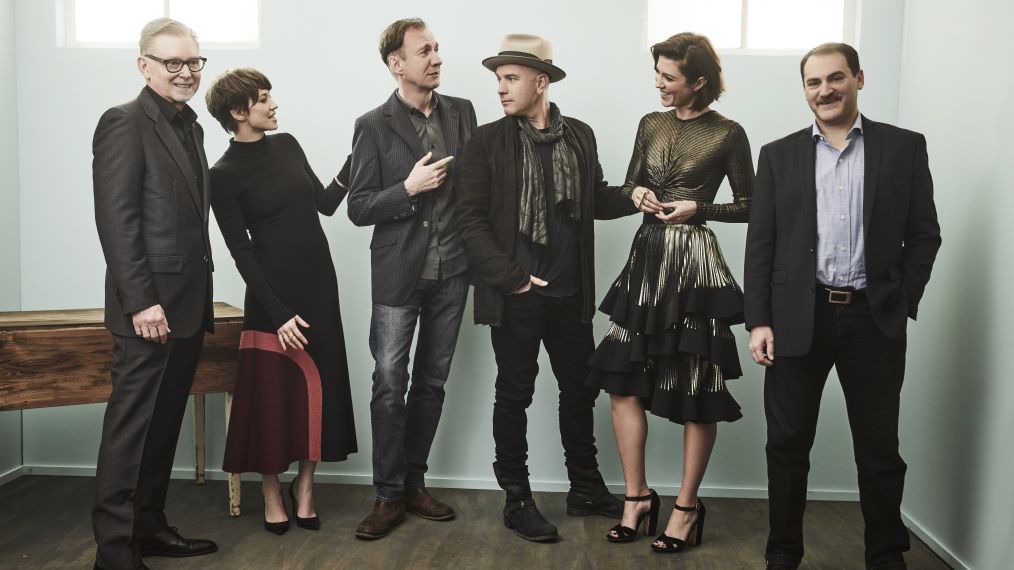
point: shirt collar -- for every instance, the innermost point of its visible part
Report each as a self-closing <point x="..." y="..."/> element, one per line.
<point x="856" y="130"/>
<point x="410" y="109"/>
<point x="184" y="117"/>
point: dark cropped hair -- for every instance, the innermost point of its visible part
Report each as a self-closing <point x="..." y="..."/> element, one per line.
<point x="393" y="36"/>
<point x="850" y="53"/>
<point x="234" y="90"/>
<point x="697" y="58"/>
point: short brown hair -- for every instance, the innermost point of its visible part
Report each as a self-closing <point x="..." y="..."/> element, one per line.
<point x="850" y="53"/>
<point x="167" y="26"/>
<point x="697" y="58"/>
<point x="393" y="36"/>
<point x="234" y="90"/>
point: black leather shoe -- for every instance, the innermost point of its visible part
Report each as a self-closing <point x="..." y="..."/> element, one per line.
<point x="780" y="565"/>
<point x="604" y="503"/>
<point x="168" y="542"/>
<point x="527" y="522"/>
<point x="141" y="567"/>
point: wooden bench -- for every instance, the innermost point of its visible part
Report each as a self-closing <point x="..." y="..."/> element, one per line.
<point x="62" y="358"/>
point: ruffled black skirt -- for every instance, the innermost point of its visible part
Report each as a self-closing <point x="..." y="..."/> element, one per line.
<point x="669" y="341"/>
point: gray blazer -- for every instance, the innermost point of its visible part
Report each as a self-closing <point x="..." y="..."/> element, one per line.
<point x="385" y="148"/>
<point x="152" y="220"/>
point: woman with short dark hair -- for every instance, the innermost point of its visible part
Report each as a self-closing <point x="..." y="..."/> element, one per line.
<point x="292" y="400"/>
<point x="669" y="348"/>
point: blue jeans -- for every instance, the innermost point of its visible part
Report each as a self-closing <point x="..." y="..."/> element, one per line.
<point x="403" y="429"/>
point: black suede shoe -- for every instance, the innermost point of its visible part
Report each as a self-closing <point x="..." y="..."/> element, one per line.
<point x="604" y="503"/>
<point x="527" y="522"/>
<point x="168" y="542"/>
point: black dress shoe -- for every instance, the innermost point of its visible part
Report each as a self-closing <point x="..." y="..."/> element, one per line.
<point x="168" y="542"/>
<point x="527" y="522"/>
<point x="604" y="503"/>
<point x="141" y="567"/>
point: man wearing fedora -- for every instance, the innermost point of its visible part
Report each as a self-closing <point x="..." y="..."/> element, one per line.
<point x="402" y="186"/>
<point x="530" y="187"/>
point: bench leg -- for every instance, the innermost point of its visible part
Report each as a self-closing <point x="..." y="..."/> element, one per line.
<point x="199" y="438"/>
<point x="234" y="489"/>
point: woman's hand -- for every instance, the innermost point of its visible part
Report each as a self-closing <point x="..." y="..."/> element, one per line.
<point x="290" y="336"/>
<point x="645" y="200"/>
<point x="677" y="212"/>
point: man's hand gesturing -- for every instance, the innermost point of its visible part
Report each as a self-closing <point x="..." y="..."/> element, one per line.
<point x="425" y="177"/>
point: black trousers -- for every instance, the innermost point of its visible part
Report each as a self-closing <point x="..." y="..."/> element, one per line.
<point x="530" y="319"/>
<point x="151" y="383"/>
<point x="871" y="368"/>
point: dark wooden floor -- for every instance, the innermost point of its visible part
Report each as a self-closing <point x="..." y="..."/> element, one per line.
<point x="44" y="523"/>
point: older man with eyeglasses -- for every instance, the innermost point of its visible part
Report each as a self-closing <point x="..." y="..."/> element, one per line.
<point x="150" y="179"/>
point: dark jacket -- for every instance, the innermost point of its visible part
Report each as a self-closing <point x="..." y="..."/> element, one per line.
<point x="489" y="184"/>
<point x="899" y="224"/>
<point x="385" y="148"/>
<point x="152" y="219"/>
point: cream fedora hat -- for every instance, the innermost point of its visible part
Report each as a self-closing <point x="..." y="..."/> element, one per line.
<point x="526" y="49"/>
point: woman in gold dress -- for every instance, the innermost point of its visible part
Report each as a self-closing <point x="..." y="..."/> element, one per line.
<point x="669" y="348"/>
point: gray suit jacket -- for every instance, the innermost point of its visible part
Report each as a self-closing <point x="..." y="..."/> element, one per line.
<point x="152" y="220"/>
<point x="385" y="148"/>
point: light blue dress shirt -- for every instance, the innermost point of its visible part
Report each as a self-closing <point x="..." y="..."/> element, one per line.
<point x="839" y="180"/>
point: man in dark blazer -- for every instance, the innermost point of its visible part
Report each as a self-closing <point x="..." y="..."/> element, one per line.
<point x="531" y="188"/>
<point x="402" y="185"/>
<point x="150" y="179"/>
<point x="842" y="237"/>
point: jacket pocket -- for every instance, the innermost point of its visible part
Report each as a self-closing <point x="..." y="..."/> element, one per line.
<point x="165" y="263"/>
<point x="381" y="240"/>
<point x="779" y="276"/>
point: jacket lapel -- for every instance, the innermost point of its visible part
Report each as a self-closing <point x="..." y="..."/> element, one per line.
<point x="873" y="145"/>
<point x="172" y="143"/>
<point x="449" y="123"/>
<point x="398" y="121"/>
<point x="511" y="170"/>
<point x="807" y="177"/>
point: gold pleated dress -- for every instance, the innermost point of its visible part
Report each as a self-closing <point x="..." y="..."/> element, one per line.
<point x="671" y="307"/>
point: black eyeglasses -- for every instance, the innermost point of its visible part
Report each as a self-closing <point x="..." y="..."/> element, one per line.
<point x="175" y="65"/>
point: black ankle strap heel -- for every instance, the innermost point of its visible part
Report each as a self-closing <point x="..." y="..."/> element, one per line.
<point x="666" y="544"/>
<point x="620" y="533"/>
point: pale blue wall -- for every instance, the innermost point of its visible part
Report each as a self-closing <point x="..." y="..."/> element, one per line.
<point x="10" y="267"/>
<point x="323" y="62"/>
<point x="958" y="403"/>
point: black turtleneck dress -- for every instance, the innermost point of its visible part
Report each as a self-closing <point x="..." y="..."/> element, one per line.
<point x="288" y="405"/>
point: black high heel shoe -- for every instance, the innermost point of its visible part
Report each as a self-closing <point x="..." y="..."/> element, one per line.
<point x="673" y="545"/>
<point x="278" y="528"/>
<point x="310" y="523"/>
<point x="620" y="533"/>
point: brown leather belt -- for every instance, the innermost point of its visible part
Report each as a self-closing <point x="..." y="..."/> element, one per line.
<point x="842" y="296"/>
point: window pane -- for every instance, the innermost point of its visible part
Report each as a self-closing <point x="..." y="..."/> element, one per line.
<point x="219" y="21"/>
<point x="720" y="20"/>
<point x="794" y="24"/>
<point x="113" y="21"/>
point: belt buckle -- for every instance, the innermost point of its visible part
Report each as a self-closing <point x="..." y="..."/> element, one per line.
<point x="839" y="297"/>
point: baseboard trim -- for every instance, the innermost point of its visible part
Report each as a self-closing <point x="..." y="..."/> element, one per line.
<point x="457" y="483"/>
<point x="11" y="475"/>
<point x="935" y="545"/>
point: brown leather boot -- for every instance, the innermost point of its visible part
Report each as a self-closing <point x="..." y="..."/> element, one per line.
<point x="381" y="521"/>
<point x="418" y="501"/>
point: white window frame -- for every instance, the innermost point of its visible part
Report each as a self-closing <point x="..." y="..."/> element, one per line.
<point x="850" y="33"/>
<point x="65" y="30"/>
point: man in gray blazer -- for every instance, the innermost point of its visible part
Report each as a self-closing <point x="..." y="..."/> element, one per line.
<point x="150" y="178"/>
<point x="403" y="186"/>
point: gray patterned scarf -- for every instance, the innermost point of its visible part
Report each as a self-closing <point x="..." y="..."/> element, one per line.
<point x="566" y="174"/>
